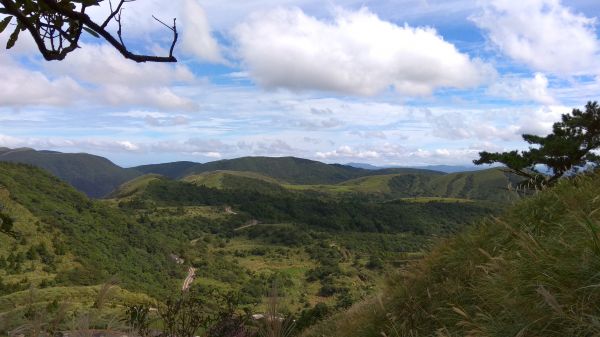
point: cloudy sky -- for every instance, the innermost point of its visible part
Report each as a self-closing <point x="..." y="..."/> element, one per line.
<point x="387" y="82"/>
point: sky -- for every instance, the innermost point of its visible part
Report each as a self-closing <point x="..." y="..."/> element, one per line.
<point x="386" y="82"/>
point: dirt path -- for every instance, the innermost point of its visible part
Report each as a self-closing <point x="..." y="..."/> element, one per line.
<point x="251" y="223"/>
<point x="189" y="279"/>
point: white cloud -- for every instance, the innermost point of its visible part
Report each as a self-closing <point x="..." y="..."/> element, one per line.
<point x="23" y="87"/>
<point x="369" y="134"/>
<point x="540" y="121"/>
<point x="443" y="156"/>
<point x="89" y="144"/>
<point x="347" y="152"/>
<point x="103" y="65"/>
<point x="357" y="53"/>
<point x="114" y="80"/>
<point x="460" y="125"/>
<point x="520" y="89"/>
<point x="196" y="35"/>
<point x="542" y="34"/>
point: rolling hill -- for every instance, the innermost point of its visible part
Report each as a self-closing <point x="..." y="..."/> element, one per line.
<point x="289" y="169"/>
<point x="171" y="170"/>
<point x="490" y="184"/>
<point x="99" y="177"/>
<point x="95" y="176"/>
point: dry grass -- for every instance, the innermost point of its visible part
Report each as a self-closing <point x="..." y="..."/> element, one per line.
<point x="533" y="272"/>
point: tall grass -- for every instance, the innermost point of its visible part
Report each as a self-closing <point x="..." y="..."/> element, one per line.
<point x="49" y="318"/>
<point x="533" y="272"/>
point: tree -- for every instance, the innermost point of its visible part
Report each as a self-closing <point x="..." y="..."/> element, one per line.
<point x="6" y="223"/>
<point x="566" y="151"/>
<point x="56" y="27"/>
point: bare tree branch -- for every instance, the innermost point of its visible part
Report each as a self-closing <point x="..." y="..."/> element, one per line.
<point x="56" y="28"/>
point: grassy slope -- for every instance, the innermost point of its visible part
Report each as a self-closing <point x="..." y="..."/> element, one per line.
<point x="95" y="176"/>
<point x="226" y="179"/>
<point x="134" y="186"/>
<point x="478" y="185"/>
<point x="100" y="241"/>
<point x="490" y="184"/>
<point x="172" y="170"/>
<point x="290" y="169"/>
<point x="534" y="272"/>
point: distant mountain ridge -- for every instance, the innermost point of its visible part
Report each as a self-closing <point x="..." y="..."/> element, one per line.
<point x="171" y="170"/>
<point x="98" y="177"/>
<point x="288" y="169"/>
<point x="440" y="168"/>
<point x="93" y="175"/>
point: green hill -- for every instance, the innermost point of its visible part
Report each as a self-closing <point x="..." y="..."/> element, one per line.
<point x="532" y="272"/>
<point x="491" y="185"/>
<point x="63" y="238"/>
<point x="172" y="170"/>
<point x="95" y="176"/>
<point x="235" y="180"/>
<point x="289" y="169"/>
<point x="269" y="202"/>
<point x="134" y="186"/>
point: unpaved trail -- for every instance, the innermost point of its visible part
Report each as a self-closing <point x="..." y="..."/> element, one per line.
<point x="251" y="223"/>
<point x="189" y="279"/>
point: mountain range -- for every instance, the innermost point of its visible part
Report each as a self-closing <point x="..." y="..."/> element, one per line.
<point x="98" y="177"/>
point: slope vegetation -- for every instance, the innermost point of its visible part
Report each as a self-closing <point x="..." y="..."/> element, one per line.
<point x="172" y="170"/>
<point x="491" y="184"/>
<point x="95" y="176"/>
<point x="290" y="169"/>
<point x="533" y="272"/>
<point x="63" y="238"/>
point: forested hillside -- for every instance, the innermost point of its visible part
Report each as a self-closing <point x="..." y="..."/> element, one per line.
<point x="242" y="235"/>
<point x="93" y="175"/>
<point x="531" y="272"/>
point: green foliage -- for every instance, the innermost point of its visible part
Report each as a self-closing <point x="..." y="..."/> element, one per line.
<point x="309" y="317"/>
<point x="6" y="223"/>
<point x="533" y="272"/>
<point x="138" y="318"/>
<point x="173" y="170"/>
<point x="105" y="241"/>
<point x="354" y="213"/>
<point x="569" y="148"/>
<point x="93" y="175"/>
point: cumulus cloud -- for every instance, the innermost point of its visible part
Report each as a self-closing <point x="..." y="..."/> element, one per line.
<point x="540" y="121"/>
<point x="23" y="87"/>
<point x="102" y="64"/>
<point x="520" y="89"/>
<point x="460" y="125"/>
<point x="356" y="53"/>
<point x="196" y="35"/>
<point x="119" y="81"/>
<point x="542" y="34"/>
<point x="506" y="125"/>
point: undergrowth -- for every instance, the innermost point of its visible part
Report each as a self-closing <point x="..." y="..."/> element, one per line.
<point x="533" y="272"/>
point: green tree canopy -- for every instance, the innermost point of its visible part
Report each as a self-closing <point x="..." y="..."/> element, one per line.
<point x="568" y="149"/>
<point x="6" y="223"/>
<point x="56" y="26"/>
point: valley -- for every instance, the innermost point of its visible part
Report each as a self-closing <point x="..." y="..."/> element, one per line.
<point x="231" y="231"/>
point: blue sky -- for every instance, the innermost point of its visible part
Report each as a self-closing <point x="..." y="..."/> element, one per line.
<point x="402" y="82"/>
